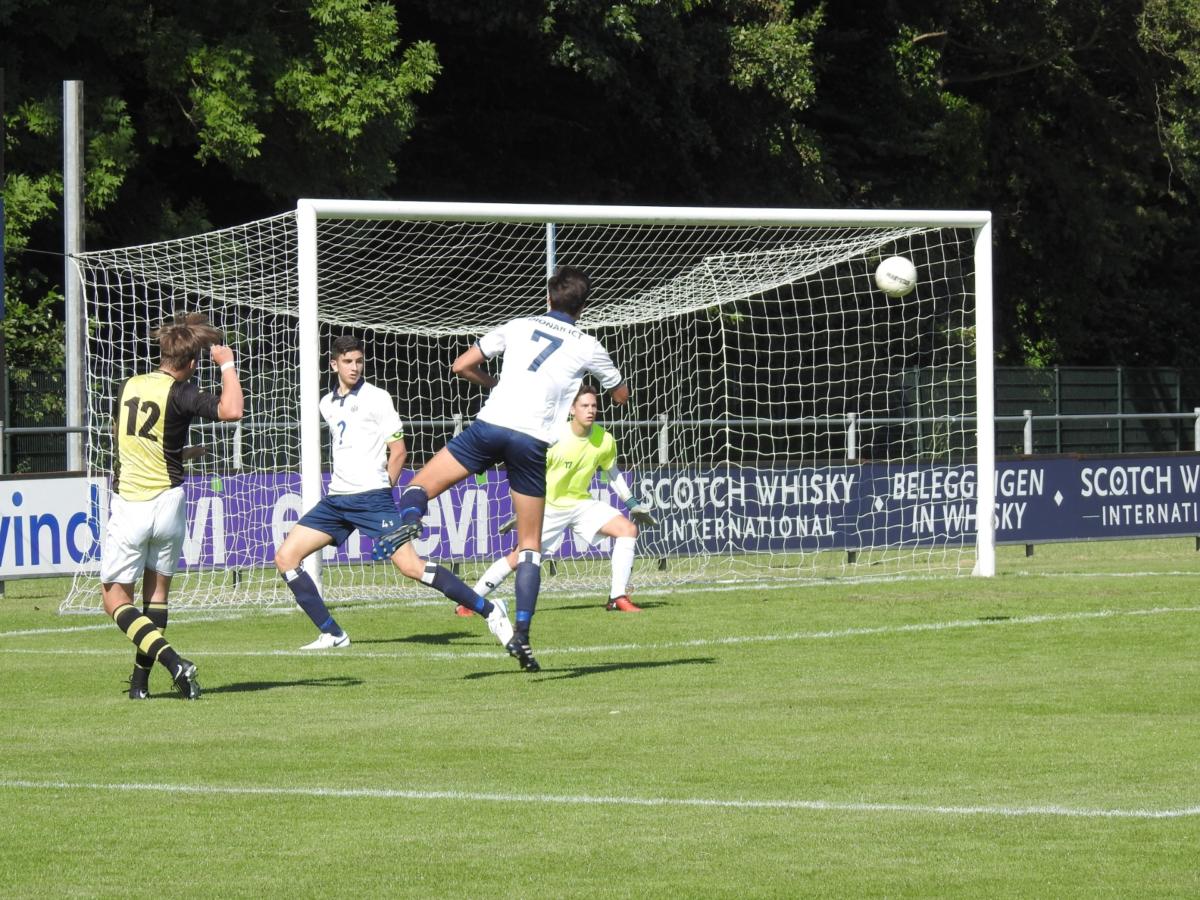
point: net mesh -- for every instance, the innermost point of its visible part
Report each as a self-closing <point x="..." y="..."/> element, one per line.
<point x="759" y="356"/>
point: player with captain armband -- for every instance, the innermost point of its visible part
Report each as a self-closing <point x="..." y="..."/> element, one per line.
<point x="582" y="448"/>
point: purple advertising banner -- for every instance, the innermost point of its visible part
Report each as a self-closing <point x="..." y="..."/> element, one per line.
<point x="238" y="521"/>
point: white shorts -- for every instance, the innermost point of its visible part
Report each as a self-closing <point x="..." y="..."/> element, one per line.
<point x="585" y="519"/>
<point x="143" y="534"/>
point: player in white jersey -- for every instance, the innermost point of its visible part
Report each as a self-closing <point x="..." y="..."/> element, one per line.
<point x="582" y="448"/>
<point x="368" y="455"/>
<point x="545" y="359"/>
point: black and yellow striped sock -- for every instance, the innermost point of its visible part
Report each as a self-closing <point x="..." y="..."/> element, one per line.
<point x="157" y="614"/>
<point x="148" y="639"/>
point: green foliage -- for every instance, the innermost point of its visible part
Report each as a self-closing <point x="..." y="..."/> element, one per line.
<point x="279" y="104"/>
<point x="1169" y="30"/>
<point x="1077" y="124"/>
<point x="224" y="104"/>
<point x="776" y="55"/>
<point x="111" y="154"/>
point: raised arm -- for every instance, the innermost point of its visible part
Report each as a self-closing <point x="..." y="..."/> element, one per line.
<point x="232" y="403"/>
<point x="469" y="365"/>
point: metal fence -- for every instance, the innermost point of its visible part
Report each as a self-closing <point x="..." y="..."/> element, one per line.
<point x="1079" y="409"/>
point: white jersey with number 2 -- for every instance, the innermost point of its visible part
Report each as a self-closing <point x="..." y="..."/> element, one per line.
<point x="545" y="359"/>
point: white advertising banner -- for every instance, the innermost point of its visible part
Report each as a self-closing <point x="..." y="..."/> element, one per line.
<point x="50" y="525"/>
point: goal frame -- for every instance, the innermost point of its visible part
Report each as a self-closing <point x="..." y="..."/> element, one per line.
<point x="309" y="212"/>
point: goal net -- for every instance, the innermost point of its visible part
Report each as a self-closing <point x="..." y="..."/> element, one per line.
<point x="788" y="420"/>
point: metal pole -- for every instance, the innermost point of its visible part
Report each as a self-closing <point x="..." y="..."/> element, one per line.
<point x="1027" y="446"/>
<point x="308" y="335"/>
<point x="851" y="436"/>
<point x="551" y="249"/>
<point x="73" y="244"/>
<point x="3" y="354"/>
<point x="3" y="350"/>
<point x="1120" y="409"/>
<point x="664" y="440"/>
<point x="1057" y="410"/>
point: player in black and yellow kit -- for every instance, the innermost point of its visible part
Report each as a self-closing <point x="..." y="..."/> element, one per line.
<point x="147" y="523"/>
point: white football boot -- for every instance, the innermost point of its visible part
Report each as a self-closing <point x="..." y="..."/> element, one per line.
<point x="327" y="641"/>
<point x="498" y="623"/>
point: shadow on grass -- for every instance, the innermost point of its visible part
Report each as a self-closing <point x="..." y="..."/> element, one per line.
<point x="577" y="607"/>
<point x="239" y="687"/>
<point x="441" y="639"/>
<point x="551" y="674"/>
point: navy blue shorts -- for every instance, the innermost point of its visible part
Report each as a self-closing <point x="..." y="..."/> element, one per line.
<point x="482" y="444"/>
<point x="371" y="512"/>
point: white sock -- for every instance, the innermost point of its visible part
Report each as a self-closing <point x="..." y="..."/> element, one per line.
<point x="622" y="565"/>
<point x="493" y="577"/>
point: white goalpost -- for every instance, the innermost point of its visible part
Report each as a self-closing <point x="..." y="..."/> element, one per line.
<point x="788" y="419"/>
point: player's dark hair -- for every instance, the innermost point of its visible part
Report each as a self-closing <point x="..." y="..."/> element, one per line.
<point x="184" y="338"/>
<point x="347" y="343"/>
<point x="568" y="288"/>
<point x="587" y="388"/>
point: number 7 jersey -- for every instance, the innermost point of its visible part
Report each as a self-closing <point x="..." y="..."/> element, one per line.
<point x="545" y="359"/>
<point x="152" y="415"/>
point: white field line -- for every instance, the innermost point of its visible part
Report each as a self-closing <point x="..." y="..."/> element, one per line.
<point x="214" y="615"/>
<point x="590" y="800"/>
<point x="699" y="643"/>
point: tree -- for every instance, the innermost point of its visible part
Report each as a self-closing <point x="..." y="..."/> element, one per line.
<point x="684" y="101"/>
<point x="1053" y="116"/>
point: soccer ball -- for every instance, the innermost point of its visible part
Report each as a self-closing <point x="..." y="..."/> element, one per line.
<point x="896" y="276"/>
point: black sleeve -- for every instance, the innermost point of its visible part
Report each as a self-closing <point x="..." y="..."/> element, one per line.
<point x="191" y="402"/>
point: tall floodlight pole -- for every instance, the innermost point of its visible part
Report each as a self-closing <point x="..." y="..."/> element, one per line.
<point x="73" y="244"/>
<point x="3" y="357"/>
<point x="4" y="420"/>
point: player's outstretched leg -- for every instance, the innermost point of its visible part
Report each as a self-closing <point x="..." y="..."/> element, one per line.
<point x="454" y="588"/>
<point x="491" y="579"/>
<point x="528" y="583"/>
<point x="414" y="503"/>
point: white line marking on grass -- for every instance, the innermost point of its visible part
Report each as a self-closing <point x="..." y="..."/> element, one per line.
<point x="917" y="627"/>
<point x="588" y="800"/>
<point x="107" y="624"/>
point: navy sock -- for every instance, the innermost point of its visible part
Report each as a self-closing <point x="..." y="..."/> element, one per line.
<point x="414" y="503"/>
<point x="309" y="600"/>
<point x="528" y="582"/>
<point x="442" y="579"/>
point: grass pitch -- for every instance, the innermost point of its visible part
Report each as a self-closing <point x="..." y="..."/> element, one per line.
<point x="1035" y="734"/>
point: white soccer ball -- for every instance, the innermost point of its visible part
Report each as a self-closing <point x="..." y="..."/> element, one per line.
<point x="896" y="276"/>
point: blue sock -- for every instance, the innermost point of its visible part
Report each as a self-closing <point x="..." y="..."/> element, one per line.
<point x="442" y="579"/>
<point x="528" y="582"/>
<point x="309" y="600"/>
<point x="414" y="503"/>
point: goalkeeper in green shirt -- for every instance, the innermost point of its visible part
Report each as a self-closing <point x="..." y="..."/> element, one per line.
<point x="571" y="462"/>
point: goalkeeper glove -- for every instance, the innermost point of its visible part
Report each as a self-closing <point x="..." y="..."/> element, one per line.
<point x="640" y="513"/>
